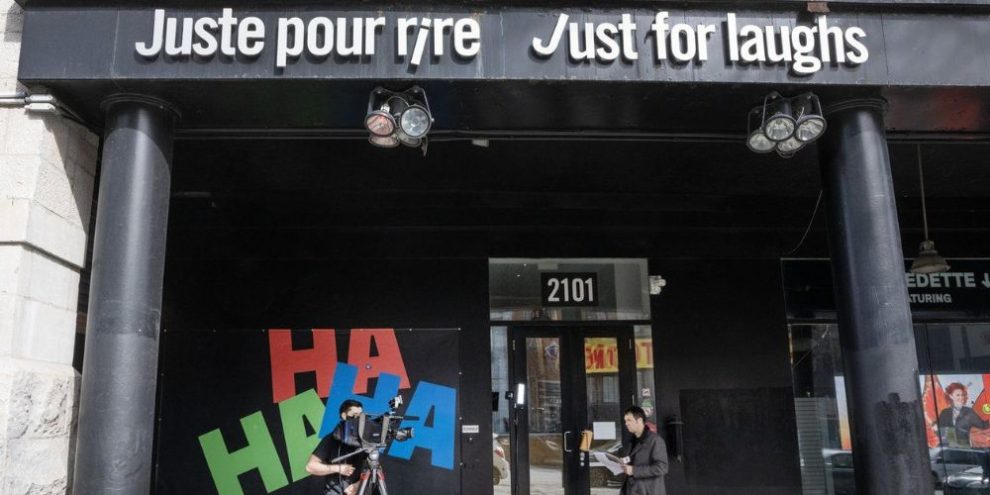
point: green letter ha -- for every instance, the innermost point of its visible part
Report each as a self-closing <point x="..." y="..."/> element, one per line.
<point x="306" y="406"/>
<point x="259" y="454"/>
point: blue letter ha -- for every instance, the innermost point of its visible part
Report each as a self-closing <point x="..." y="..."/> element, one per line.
<point x="438" y="438"/>
<point x="342" y="389"/>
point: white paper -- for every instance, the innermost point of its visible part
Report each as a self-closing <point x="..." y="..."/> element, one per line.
<point x="604" y="430"/>
<point x="609" y="461"/>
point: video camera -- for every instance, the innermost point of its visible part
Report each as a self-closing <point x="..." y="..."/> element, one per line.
<point x="371" y="435"/>
<point x="375" y="432"/>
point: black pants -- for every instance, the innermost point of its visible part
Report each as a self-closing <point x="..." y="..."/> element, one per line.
<point x="335" y="488"/>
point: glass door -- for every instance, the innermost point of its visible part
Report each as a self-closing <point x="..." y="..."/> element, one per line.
<point x="606" y="388"/>
<point x="568" y="380"/>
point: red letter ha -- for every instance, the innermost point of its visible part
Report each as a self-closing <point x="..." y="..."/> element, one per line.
<point x="388" y="359"/>
<point x="287" y="362"/>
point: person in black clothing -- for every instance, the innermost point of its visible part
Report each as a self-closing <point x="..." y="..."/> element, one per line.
<point x="954" y="423"/>
<point x="647" y="463"/>
<point x="341" y="478"/>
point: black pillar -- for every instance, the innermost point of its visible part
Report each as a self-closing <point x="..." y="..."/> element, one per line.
<point x="117" y="402"/>
<point x="875" y="330"/>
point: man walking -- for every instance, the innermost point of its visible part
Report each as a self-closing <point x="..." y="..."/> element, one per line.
<point x="646" y="464"/>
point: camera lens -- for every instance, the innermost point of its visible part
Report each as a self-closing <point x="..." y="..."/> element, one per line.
<point x="403" y="434"/>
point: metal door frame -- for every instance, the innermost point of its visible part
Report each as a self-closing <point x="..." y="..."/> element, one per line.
<point x="574" y="396"/>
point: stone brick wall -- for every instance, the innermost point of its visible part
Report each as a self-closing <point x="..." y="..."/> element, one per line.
<point x="47" y="166"/>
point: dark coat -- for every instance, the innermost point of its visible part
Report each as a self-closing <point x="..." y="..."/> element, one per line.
<point x="967" y="419"/>
<point x="331" y="447"/>
<point x="648" y="457"/>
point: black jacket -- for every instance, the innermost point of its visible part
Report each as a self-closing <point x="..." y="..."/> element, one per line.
<point x="331" y="447"/>
<point x="967" y="419"/>
<point x="648" y="457"/>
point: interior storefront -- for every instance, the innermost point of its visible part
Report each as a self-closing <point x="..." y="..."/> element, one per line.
<point x="573" y="237"/>
<point x="404" y="250"/>
<point x="950" y="329"/>
<point x="408" y="250"/>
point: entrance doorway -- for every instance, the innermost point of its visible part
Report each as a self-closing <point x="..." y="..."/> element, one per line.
<point x="572" y="348"/>
<point x="567" y="380"/>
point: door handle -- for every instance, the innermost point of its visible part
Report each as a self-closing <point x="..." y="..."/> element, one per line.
<point x="565" y="442"/>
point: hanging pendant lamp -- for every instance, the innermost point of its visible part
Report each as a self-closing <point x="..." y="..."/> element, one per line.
<point x="928" y="260"/>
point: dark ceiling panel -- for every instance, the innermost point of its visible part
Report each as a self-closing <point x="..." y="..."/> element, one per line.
<point x="303" y="199"/>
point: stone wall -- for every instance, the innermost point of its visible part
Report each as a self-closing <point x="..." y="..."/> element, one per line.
<point x="47" y="168"/>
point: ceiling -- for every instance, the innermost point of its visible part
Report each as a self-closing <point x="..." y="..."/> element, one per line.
<point x="316" y="198"/>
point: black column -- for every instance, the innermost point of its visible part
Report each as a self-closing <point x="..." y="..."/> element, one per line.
<point x="117" y="402"/>
<point x="875" y="331"/>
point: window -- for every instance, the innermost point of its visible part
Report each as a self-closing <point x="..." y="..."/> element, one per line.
<point x="953" y="358"/>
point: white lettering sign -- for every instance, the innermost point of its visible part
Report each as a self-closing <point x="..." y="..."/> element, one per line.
<point x="947" y="280"/>
<point x="804" y="49"/>
<point x="319" y="37"/>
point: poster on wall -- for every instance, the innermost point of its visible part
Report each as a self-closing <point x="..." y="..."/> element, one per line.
<point x="601" y="355"/>
<point x="240" y="412"/>
<point x="956" y="409"/>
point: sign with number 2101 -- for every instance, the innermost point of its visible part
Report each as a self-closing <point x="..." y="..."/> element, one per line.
<point x="570" y="289"/>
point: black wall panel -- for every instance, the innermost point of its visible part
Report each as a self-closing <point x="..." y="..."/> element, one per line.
<point x="234" y="295"/>
<point x="722" y="365"/>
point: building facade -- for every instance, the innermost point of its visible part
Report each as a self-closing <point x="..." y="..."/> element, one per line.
<point x="220" y="220"/>
<point x="48" y="169"/>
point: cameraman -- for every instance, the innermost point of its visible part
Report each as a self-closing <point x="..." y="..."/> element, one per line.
<point x="341" y="479"/>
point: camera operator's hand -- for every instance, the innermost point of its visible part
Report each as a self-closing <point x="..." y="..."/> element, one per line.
<point x="345" y="469"/>
<point x="350" y="490"/>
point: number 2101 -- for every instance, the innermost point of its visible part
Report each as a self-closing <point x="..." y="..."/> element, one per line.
<point x="577" y="290"/>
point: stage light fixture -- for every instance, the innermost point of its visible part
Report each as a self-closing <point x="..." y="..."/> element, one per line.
<point x="379" y="120"/>
<point x="383" y="141"/>
<point x="407" y="139"/>
<point x="396" y="117"/>
<point x="778" y="124"/>
<point x="785" y="124"/>
<point x="807" y="111"/>
<point x="757" y="141"/>
<point x="789" y="146"/>
<point x="416" y="121"/>
<point x="379" y="123"/>
<point x="397" y="105"/>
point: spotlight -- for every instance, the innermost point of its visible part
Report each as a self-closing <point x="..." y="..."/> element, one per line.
<point x="398" y="117"/>
<point x="807" y="110"/>
<point x="379" y="123"/>
<point x="415" y="121"/>
<point x="383" y="141"/>
<point x="785" y="124"/>
<point x="397" y="105"/>
<point x="778" y="124"/>
<point x="789" y="146"/>
<point x="407" y="139"/>
<point x="757" y="141"/>
<point x="379" y="120"/>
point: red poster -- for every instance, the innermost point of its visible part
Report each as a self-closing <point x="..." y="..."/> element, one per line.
<point x="982" y="404"/>
<point x="933" y="390"/>
<point x="981" y="437"/>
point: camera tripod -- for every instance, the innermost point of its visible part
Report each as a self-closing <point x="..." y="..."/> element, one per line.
<point x="372" y="473"/>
